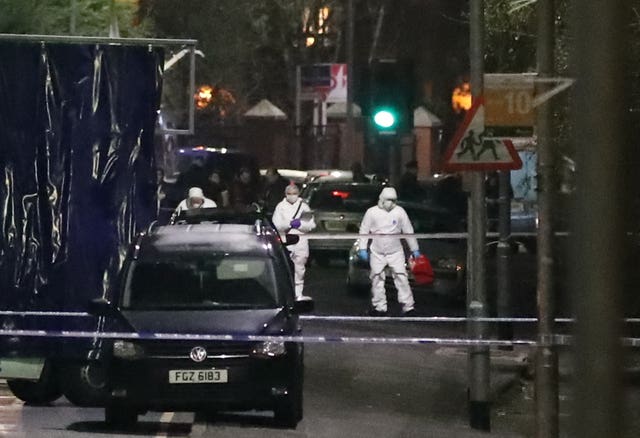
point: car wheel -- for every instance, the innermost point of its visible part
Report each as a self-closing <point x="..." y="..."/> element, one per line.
<point x="85" y="384"/>
<point x="120" y="416"/>
<point x="40" y="392"/>
<point x="288" y="410"/>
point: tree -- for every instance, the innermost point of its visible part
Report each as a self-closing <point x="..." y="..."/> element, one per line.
<point x="54" y="17"/>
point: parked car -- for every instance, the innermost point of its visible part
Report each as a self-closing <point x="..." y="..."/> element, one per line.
<point x="447" y="256"/>
<point x="213" y="272"/>
<point x="295" y="175"/>
<point x="335" y="175"/>
<point x="338" y="207"/>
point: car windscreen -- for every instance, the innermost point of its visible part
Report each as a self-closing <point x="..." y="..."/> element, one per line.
<point x="344" y="198"/>
<point x="219" y="282"/>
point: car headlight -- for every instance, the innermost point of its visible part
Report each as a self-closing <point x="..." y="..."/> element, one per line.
<point x="268" y="349"/>
<point x="127" y="350"/>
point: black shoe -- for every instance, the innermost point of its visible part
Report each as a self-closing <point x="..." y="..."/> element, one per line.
<point x="411" y="312"/>
<point x="374" y="312"/>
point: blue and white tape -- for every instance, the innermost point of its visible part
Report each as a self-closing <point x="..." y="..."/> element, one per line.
<point x="263" y="338"/>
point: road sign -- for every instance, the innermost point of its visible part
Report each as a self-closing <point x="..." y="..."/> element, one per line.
<point x="509" y="107"/>
<point x="327" y="82"/>
<point x="472" y="149"/>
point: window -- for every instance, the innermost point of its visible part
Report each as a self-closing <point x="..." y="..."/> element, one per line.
<point x="229" y="282"/>
<point x="350" y="199"/>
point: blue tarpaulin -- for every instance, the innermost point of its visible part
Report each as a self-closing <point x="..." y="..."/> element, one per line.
<point x="78" y="172"/>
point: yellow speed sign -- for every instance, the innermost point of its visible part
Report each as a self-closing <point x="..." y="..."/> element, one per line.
<point x="509" y="100"/>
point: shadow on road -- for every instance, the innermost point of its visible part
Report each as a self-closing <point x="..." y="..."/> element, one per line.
<point x="142" y="428"/>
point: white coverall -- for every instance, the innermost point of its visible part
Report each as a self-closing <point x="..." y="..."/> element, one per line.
<point x="283" y="214"/>
<point x="185" y="205"/>
<point x="388" y="251"/>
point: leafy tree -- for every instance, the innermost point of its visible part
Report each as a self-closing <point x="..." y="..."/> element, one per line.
<point x="53" y="17"/>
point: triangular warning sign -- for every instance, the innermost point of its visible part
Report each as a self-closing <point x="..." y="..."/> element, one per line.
<point x="471" y="150"/>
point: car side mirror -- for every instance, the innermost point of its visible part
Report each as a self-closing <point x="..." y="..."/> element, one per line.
<point x="303" y="306"/>
<point x="291" y="239"/>
<point x="102" y="307"/>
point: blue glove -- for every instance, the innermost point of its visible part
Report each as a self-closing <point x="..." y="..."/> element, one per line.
<point x="415" y="254"/>
<point x="295" y="223"/>
<point x="363" y="254"/>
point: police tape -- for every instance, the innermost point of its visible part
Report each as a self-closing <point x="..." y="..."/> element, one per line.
<point x="41" y="313"/>
<point x="435" y="236"/>
<point x="263" y="338"/>
<point x="348" y="318"/>
<point x="559" y="340"/>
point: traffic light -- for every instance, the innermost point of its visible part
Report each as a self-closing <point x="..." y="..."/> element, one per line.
<point x="391" y="94"/>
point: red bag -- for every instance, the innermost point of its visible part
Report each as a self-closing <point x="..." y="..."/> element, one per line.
<point x="421" y="270"/>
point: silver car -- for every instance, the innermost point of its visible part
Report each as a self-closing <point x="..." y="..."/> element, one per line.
<point x="338" y="207"/>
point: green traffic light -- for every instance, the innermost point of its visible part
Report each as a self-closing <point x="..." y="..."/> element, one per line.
<point x="384" y="119"/>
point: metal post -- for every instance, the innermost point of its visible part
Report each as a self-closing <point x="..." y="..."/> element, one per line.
<point x="546" y="384"/>
<point x="350" y="76"/>
<point x="479" y="359"/>
<point x="192" y="89"/>
<point x="302" y="161"/>
<point x="298" y="103"/>
<point x="72" y="17"/>
<point x="504" y="302"/>
<point x="392" y="145"/>
<point x="603" y="192"/>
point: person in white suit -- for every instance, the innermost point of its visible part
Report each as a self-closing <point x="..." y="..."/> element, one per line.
<point x="387" y="218"/>
<point x="195" y="199"/>
<point x="292" y="215"/>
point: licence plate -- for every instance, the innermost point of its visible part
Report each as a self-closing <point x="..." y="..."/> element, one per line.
<point x="517" y="207"/>
<point x="335" y="225"/>
<point x="198" y="376"/>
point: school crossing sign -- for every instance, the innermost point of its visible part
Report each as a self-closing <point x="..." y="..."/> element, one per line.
<point x="471" y="149"/>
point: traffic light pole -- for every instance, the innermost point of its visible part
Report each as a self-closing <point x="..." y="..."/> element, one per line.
<point x="479" y="358"/>
<point x="546" y="383"/>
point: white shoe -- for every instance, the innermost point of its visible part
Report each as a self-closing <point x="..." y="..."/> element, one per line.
<point x="303" y="298"/>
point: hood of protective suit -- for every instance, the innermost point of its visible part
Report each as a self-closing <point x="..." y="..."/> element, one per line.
<point x="387" y="199"/>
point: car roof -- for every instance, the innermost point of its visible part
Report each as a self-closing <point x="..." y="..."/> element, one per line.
<point x="207" y="238"/>
<point x="343" y="184"/>
<point x="340" y="185"/>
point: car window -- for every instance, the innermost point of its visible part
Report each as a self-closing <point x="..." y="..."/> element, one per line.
<point x="425" y="221"/>
<point x="229" y="282"/>
<point x="351" y="199"/>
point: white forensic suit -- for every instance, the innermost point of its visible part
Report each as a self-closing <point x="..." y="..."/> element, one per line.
<point x="186" y="205"/>
<point x="283" y="216"/>
<point x="194" y="200"/>
<point x="388" y="251"/>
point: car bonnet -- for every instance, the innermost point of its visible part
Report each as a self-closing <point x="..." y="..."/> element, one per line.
<point x="237" y="322"/>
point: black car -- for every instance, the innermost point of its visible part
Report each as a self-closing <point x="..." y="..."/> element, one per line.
<point x="218" y="276"/>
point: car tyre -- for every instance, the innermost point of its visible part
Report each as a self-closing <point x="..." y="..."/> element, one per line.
<point x="288" y="409"/>
<point x="85" y="384"/>
<point x="120" y="416"/>
<point x="40" y="392"/>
